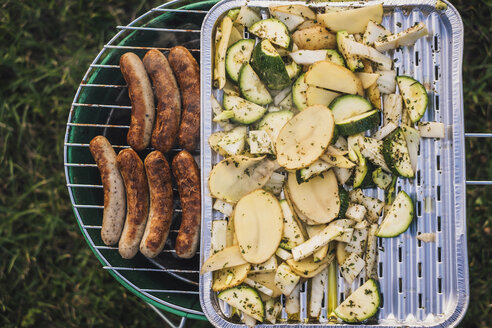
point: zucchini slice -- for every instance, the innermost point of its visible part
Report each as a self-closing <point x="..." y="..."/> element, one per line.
<point x="395" y="152"/>
<point x="380" y="178"/>
<point x="335" y="57"/>
<point x="359" y="123"/>
<point x="245" y="299"/>
<point x="361" y="304"/>
<point x="238" y="54"/>
<point x="414" y="96"/>
<point x="348" y="106"/>
<point x="273" y="30"/>
<point x="269" y="66"/>
<point x="273" y="122"/>
<point x="316" y="168"/>
<point x="399" y="217"/>
<point x="344" y="201"/>
<point x="245" y="112"/>
<point x="299" y="90"/>
<point x="251" y="86"/>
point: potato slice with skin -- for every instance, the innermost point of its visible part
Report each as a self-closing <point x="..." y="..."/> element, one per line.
<point x="317" y="198"/>
<point x="230" y="277"/>
<point x="299" y="10"/>
<point x="267" y="280"/>
<point x="353" y="20"/>
<point x="259" y="223"/>
<point x="307" y="268"/>
<point x="341" y="78"/>
<point x="305" y="137"/>
<point x="315" y="37"/>
<point x="236" y="176"/>
<point x="226" y="258"/>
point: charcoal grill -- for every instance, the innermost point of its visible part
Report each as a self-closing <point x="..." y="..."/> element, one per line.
<point x="101" y="107"/>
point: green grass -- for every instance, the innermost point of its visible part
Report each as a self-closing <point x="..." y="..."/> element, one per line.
<point x="48" y="275"/>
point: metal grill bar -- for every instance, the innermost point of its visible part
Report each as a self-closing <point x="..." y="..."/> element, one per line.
<point x="104" y="66"/>
<point x="104" y="85"/>
<point x="79" y="165"/>
<point x="93" y="125"/>
<point x="156" y="29"/>
<point x="188" y="11"/>
<point x="123" y="268"/>
<point x="70" y="144"/>
<point x="109" y="46"/>
<point x="101" y="106"/>
<point x="479" y="183"/>
<point x="478" y="135"/>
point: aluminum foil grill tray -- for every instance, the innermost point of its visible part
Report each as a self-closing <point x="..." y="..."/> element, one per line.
<point x="423" y="284"/>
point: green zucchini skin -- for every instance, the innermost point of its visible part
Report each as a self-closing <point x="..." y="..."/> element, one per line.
<point x="397" y="162"/>
<point x="269" y="66"/>
<point x="344" y="201"/>
<point x="351" y="127"/>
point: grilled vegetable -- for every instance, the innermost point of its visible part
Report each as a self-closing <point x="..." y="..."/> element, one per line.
<point x="351" y="267"/>
<point x="258" y="232"/>
<point x="299" y="89"/>
<point x="260" y="142"/>
<point x="315" y="37"/>
<point x="414" y="96"/>
<point x="319" y="96"/>
<point x="399" y="217"/>
<point x="238" y="54"/>
<point x="431" y="129"/>
<point x="352" y="20"/>
<point x="230" y="277"/>
<point x="236" y="176"/>
<point x="292" y="234"/>
<point x="285" y="279"/>
<point x="272" y="30"/>
<point x="341" y="79"/>
<point x="246" y="299"/>
<point x="273" y="122"/>
<point x="226" y="258"/>
<point x="245" y="112"/>
<point x="396" y="155"/>
<point x="222" y="40"/>
<point x="359" y="123"/>
<point x="405" y="38"/>
<point x="269" y="66"/>
<point x="305" y="137"/>
<point x="362" y="304"/>
<point x="320" y="209"/>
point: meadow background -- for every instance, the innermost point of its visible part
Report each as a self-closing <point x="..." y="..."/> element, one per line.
<point x="48" y="275"/>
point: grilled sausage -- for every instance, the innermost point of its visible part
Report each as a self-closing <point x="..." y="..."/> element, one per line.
<point x="137" y="197"/>
<point x="187" y="176"/>
<point x="114" y="190"/>
<point x="187" y="73"/>
<point x="168" y="100"/>
<point x="161" y="204"/>
<point x="142" y="99"/>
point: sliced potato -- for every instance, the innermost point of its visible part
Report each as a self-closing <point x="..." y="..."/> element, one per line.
<point x="258" y="222"/>
<point x="352" y="20"/>
<point x="222" y="37"/>
<point x="230" y="277"/>
<point x="317" y="198"/>
<point x="341" y="253"/>
<point x="300" y="10"/>
<point x="314" y="37"/>
<point x="234" y="177"/>
<point x="367" y="79"/>
<point x="340" y="79"/>
<point x="307" y="268"/>
<point x="319" y="96"/>
<point x="305" y="137"/>
<point x="267" y="280"/>
<point x="226" y="258"/>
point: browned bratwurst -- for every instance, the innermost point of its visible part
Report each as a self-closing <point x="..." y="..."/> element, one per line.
<point x="187" y="72"/>
<point x="187" y="176"/>
<point x="114" y="190"/>
<point x="161" y="204"/>
<point x="168" y="100"/>
<point x="142" y="99"/>
<point x="137" y="199"/>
